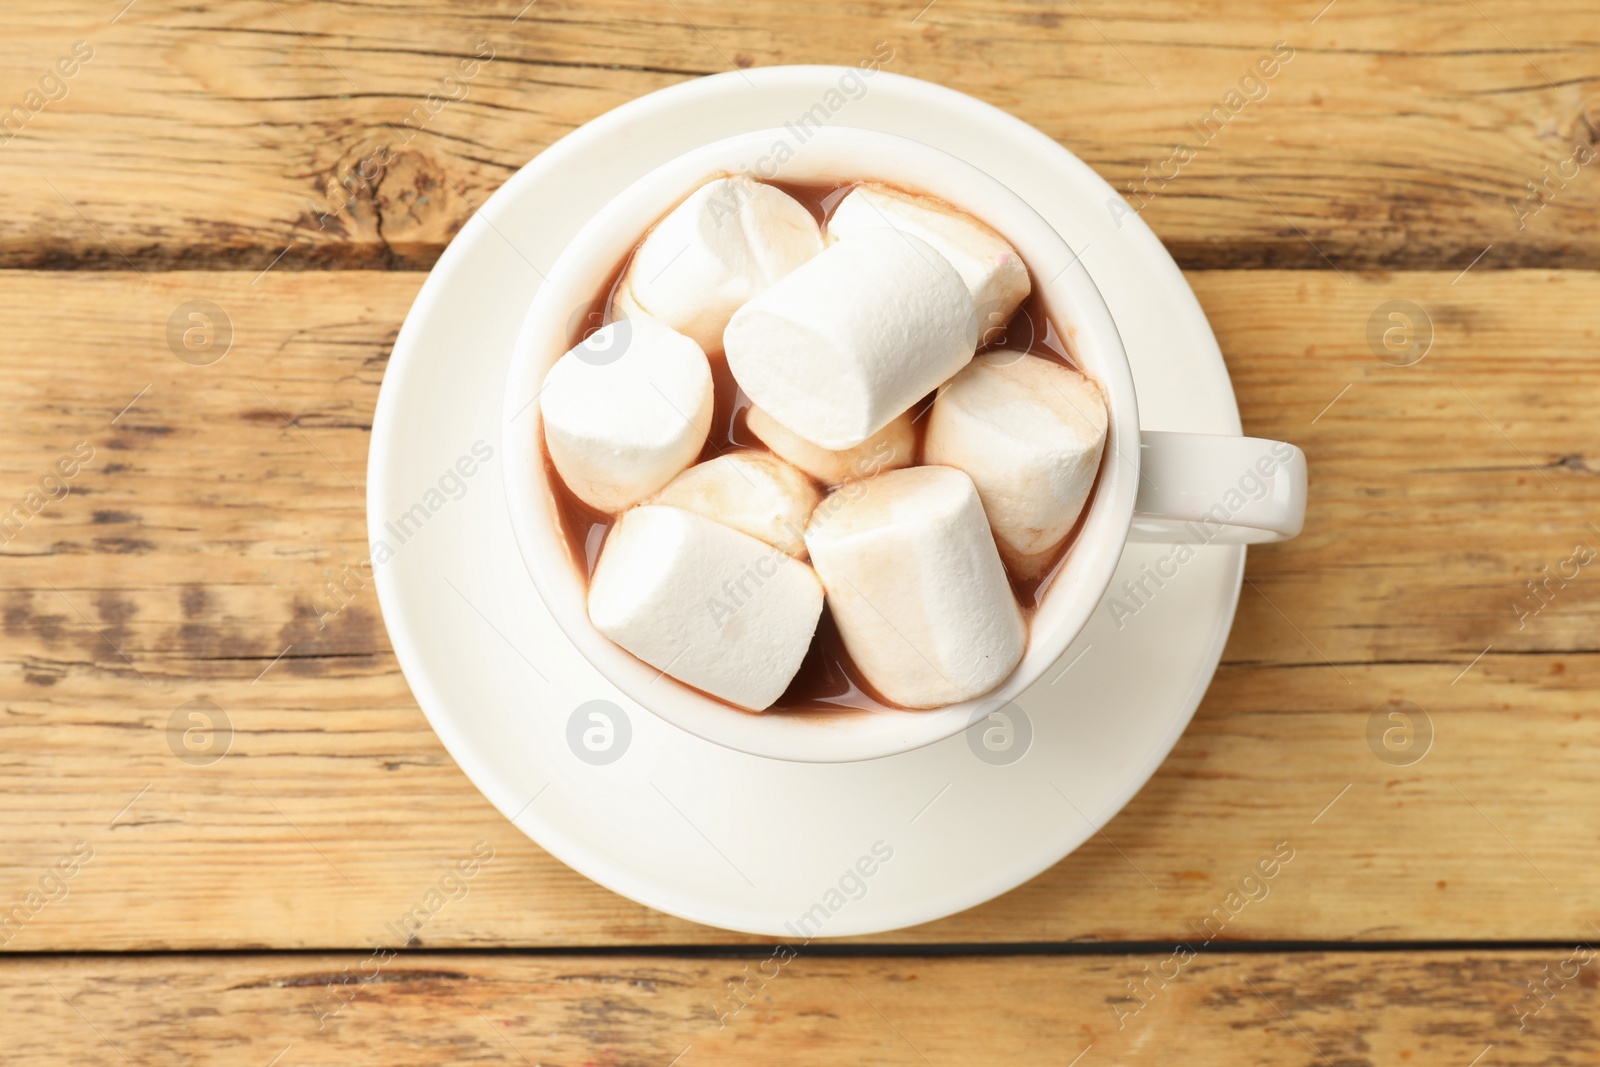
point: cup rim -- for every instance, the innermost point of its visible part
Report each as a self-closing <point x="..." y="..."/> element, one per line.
<point x="1071" y="299"/>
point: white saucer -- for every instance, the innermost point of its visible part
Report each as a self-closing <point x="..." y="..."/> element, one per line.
<point x="680" y="824"/>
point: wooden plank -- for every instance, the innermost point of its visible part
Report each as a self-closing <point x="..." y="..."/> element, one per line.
<point x="1210" y="1009"/>
<point x="1438" y="489"/>
<point x="189" y="549"/>
<point x="1394" y="135"/>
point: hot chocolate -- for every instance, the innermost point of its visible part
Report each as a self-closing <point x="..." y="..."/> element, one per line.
<point x="877" y="532"/>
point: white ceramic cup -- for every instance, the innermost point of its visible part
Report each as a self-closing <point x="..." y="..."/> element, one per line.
<point x="1153" y="486"/>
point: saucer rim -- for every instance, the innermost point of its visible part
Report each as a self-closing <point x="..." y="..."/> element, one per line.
<point x="1047" y="847"/>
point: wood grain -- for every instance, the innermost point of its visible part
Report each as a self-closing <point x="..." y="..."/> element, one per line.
<point x="1217" y="1010"/>
<point x="1399" y="135"/>
<point x="168" y="530"/>
<point x="190" y="549"/>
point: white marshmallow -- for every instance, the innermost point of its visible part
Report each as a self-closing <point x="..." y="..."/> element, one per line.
<point x="854" y="337"/>
<point x="625" y="411"/>
<point x="891" y="448"/>
<point x="993" y="272"/>
<point x="1029" y="431"/>
<point x="753" y="492"/>
<point x="916" y="586"/>
<point x="731" y="239"/>
<point x="715" y="608"/>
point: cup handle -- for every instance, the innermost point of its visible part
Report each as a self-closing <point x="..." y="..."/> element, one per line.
<point x="1218" y="489"/>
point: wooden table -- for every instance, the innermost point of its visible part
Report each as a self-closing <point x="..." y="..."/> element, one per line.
<point x="1437" y="910"/>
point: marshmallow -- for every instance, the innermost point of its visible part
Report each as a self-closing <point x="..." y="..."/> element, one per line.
<point x="854" y="337"/>
<point x="891" y="448"/>
<point x="730" y="240"/>
<point x="916" y="586"/>
<point x="625" y="411"/>
<point x="715" y="608"/>
<point x="1029" y="431"/>
<point x="993" y="272"/>
<point x="753" y="492"/>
